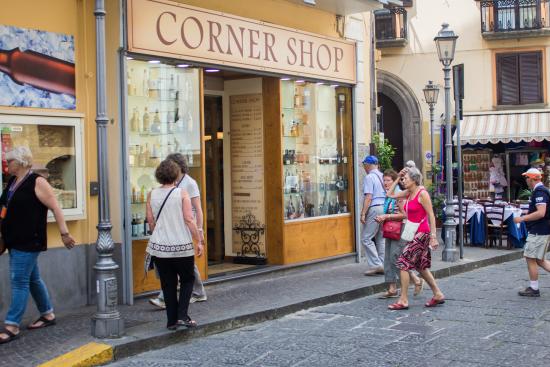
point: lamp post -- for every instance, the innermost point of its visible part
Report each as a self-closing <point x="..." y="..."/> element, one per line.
<point x="431" y="92"/>
<point x="445" y="42"/>
<point x="106" y="322"/>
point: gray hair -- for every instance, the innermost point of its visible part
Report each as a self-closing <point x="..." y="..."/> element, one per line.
<point x="410" y="164"/>
<point x="22" y="155"/>
<point x="415" y="175"/>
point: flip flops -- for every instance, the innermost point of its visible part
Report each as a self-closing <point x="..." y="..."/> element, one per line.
<point x="389" y="294"/>
<point x="45" y="323"/>
<point x="434" y="302"/>
<point x="189" y="323"/>
<point x="11" y="336"/>
<point x="398" y="306"/>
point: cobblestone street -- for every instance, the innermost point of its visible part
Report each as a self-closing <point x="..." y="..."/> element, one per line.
<point x="482" y="323"/>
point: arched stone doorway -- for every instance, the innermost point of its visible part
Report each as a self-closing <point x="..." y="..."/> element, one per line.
<point x="395" y="92"/>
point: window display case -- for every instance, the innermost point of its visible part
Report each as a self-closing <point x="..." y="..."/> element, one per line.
<point x="56" y="146"/>
<point x="163" y="117"/>
<point x="476" y="173"/>
<point x="315" y="154"/>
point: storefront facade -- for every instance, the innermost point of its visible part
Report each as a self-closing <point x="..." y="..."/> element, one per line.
<point x="47" y="102"/>
<point x="262" y="110"/>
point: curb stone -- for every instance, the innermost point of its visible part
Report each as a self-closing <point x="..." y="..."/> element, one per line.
<point x="130" y="346"/>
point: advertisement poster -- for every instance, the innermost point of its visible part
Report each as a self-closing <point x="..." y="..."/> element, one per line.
<point x="36" y="69"/>
<point x="247" y="174"/>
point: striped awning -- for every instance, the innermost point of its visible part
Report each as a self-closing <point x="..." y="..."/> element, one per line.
<point x="505" y="127"/>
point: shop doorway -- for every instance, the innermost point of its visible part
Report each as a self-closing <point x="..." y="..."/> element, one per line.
<point x="391" y="124"/>
<point x="232" y="118"/>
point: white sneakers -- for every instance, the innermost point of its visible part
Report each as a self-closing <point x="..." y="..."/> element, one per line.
<point x="198" y="299"/>
<point x="158" y="302"/>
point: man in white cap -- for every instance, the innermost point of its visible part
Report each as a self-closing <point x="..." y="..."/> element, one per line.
<point x="538" y="226"/>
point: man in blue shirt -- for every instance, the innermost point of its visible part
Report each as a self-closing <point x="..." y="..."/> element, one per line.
<point x="538" y="226"/>
<point x="373" y="206"/>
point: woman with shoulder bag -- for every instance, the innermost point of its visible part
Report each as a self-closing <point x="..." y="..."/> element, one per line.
<point x="392" y="221"/>
<point x="420" y="234"/>
<point x="25" y="203"/>
<point x="170" y="215"/>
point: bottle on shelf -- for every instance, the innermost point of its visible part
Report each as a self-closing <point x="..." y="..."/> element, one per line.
<point x="301" y="208"/>
<point x="345" y="207"/>
<point x="131" y="156"/>
<point x="133" y="200"/>
<point x="146" y="230"/>
<point x="134" y="225"/>
<point x="142" y="194"/>
<point x="134" y="121"/>
<point x="130" y="82"/>
<point x="146" y="121"/>
<point x="155" y="126"/>
<point x="294" y="129"/>
<point x="145" y="83"/>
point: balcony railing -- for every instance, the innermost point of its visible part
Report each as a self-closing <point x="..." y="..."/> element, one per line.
<point x="391" y="27"/>
<point x="514" y="16"/>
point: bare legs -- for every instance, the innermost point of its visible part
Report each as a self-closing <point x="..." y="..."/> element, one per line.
<point x="428" y="277"/>
<point x="532" y="267"/>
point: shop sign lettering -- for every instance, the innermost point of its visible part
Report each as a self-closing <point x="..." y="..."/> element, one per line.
<point x="180" y="31"/>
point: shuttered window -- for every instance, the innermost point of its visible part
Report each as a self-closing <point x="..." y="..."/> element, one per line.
<point x="519" y="78"/>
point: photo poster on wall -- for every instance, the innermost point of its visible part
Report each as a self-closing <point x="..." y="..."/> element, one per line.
<point x="37" y="69"/>
<point x="247" y="174"/>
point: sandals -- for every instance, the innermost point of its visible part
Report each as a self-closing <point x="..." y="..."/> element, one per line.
<point x="11" y="336"/>
<point x="418" y="287"/>
<point x="389" y="294"/>
<point x="434" y="302"/>
<point x="45" y="323"/>
<point x="398" y="306"/>
<point x="189" y="323"/>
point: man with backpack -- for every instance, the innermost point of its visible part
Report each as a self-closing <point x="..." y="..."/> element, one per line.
<point x="538" y="227"/>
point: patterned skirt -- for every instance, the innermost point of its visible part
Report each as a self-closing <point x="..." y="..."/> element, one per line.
<point x="416" y="254"/>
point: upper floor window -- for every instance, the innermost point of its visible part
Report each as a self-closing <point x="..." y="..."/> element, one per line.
<point x="519" y="78"/>
<point x="514" y="15"/>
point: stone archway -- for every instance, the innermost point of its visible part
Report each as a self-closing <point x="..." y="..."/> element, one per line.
<point x="402" y="95"/>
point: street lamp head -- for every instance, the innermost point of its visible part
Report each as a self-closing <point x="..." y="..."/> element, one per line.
<point x="431" y="91"/>
<point x="445" y="42"/>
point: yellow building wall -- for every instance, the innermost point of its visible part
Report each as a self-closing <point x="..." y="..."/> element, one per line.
<point x="417" y="62"/>
<point x="64" y="16"/>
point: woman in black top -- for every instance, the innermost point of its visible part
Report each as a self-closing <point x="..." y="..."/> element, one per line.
<point x="24" y="209"/>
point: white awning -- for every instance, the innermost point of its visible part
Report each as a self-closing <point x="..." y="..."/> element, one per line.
<point x="504" y="127"/>
<point x="347" y="7"/>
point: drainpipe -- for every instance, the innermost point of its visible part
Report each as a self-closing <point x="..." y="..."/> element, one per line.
<point x="106" y="322"/>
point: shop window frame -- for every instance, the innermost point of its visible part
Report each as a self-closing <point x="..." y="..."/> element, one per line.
<point x="74" y="120"/>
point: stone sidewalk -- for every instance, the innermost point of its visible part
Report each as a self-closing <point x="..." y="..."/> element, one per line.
<point x="230" y="305"/>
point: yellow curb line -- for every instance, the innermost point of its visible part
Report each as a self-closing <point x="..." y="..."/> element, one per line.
<point x="91" y="354"/>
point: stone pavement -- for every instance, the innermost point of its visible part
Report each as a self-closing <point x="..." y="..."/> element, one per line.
<point x="230" y="305"/>
<point x="482" y="323"/>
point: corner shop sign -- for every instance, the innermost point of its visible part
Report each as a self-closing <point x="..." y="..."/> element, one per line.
<point x="184" y="32"/>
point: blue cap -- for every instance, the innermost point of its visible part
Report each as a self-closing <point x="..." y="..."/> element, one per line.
<point x="370" y="159"/>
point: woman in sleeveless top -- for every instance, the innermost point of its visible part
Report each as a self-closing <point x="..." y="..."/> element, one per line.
<point x="393" y="211"/>
<point x="416" y="254"/>
<point x="24" y="210"/>
<point x="170" y="215"/>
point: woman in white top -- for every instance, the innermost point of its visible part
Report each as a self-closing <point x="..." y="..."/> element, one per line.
<point x="171" y="244"/>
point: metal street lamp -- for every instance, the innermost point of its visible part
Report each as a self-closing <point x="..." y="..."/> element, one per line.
<point x="445" y="42"/>
<point x="106" y="322"/>
<point x="431" y="92"/>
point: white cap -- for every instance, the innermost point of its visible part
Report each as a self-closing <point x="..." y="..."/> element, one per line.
<point x="532" y="173"/>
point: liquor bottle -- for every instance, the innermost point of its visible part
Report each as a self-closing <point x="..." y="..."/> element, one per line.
<point x="134" y="194"/>
<point x="145" y="84"/>
<point x="294" y="129"/>
<point x="38" y="70"/>
<point x="297" y="98"/>
<point x="145" y="227"/>
<point x="142" y="194"/>
<point x="134" y="226"/>
<point x="131" y="156"/>
<point x="155" y="127"/>
<point x="134" y="121"/>
<point x="130" y="82"/>
<point x="345" y="207"/>
<point x="139" y="225"/>
<point x="292" y="157"/>
<point x="146" y="121"/>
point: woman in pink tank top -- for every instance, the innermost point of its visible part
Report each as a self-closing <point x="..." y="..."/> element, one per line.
<point x="416" y="254"/>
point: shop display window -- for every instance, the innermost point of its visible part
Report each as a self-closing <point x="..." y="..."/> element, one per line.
<point x="56" y="146"/>
<point x="476" y="174"/>
<point x="163" y="117"/>
<point x="316" y="157"/>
